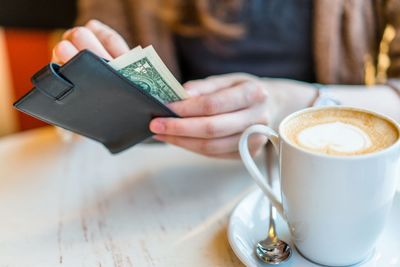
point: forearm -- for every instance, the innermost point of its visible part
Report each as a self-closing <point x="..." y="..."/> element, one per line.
<point x="289" y="96"/>
<point x="379" y="98"/>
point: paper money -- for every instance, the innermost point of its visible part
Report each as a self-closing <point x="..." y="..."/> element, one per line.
<point x="145" y="69"/>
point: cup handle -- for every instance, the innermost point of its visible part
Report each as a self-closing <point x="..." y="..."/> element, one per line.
<point x="252" y="167"/>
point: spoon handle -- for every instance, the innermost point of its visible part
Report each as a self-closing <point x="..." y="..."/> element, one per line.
<point x="270" y="165"/>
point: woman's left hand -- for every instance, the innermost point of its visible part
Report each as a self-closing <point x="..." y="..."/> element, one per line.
<point x="220" y="109"/>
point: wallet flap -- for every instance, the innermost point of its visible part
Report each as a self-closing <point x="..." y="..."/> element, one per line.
<point x="90" y="98"/>
<point x="48" y="81"/>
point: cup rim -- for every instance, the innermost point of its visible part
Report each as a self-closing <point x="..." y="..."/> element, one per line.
<point x="340" y="157"/>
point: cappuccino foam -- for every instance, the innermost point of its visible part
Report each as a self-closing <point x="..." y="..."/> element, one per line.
<point x="340" y="132"/>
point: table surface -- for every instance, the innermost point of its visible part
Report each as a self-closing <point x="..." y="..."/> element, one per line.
<point x="74" y="204"/>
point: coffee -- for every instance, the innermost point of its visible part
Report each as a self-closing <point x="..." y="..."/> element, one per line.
<point x="343" y="131"/>
<point x="334" y="205"/>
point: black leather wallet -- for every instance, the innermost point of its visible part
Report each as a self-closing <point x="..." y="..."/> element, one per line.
<point x="89" y="97"/>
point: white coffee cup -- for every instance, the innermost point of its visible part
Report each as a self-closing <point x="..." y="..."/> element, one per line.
<point x="335" y="206"/>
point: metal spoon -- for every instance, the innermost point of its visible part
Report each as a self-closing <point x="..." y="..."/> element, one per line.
<point x="272" y="250"/>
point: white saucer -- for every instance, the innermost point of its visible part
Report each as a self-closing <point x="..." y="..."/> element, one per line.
<point x="248" y="225"/>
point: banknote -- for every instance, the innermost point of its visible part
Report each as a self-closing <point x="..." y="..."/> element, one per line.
<point x="145" y="68"/>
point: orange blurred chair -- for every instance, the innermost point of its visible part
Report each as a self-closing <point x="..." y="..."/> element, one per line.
<point x="22" y="53"/>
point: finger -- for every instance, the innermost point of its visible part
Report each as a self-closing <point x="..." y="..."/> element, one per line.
<point x="63" y="52"/>
<point x="216" y="146"/>
<point x="83" y="38"/>
<point x="235" y="98"/>
<point x="215" y="83"/>
<point x="210" y="127"/>
<point x="110" y="39"/>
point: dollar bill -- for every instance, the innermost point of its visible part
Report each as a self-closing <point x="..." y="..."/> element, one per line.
<point x="145" y="69"/>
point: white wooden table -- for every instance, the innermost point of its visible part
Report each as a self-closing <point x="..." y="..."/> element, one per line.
<point x="74" y="204"/>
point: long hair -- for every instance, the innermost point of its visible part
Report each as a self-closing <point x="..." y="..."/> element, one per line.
<point x="200" y="17"/>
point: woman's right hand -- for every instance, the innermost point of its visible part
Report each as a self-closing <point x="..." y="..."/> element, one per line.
<point x="94" y="36"/>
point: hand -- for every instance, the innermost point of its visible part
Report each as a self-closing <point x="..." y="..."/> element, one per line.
<point x="220" y="109"/>
<point x="94" y="36"/>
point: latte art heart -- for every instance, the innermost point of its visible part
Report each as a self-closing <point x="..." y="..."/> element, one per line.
<point x="337" y="136"/>
<point x="340" y="131"/>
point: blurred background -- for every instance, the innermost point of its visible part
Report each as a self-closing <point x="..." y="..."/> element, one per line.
<point x="28" y="31"/>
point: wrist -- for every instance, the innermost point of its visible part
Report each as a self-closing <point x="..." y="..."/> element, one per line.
<point x="324" y="97"/>
<point x="287" y="96"/>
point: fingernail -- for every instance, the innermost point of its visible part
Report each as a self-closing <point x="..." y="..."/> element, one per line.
<point x="157" y="126"/>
